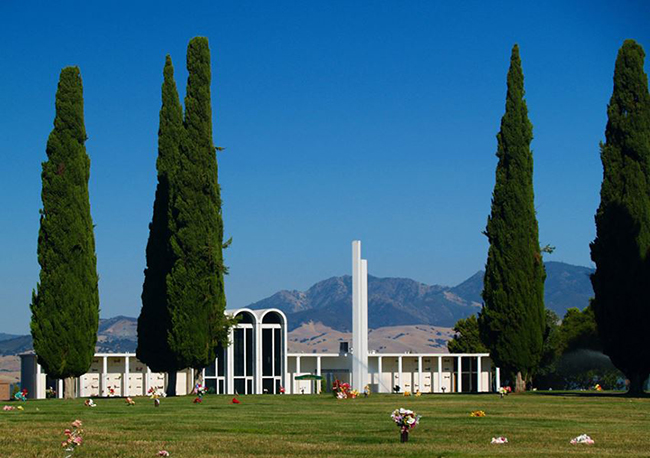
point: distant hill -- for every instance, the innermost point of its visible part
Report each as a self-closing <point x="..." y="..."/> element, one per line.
<point x="117" y="334"/>
<point x="402" y="301"/>
<point x="317" y="338"/>
<point x="392" y="302"/>
<point x="4" y="336"/>
<point x="16" y="345"/>
<point x="567" y="286"/>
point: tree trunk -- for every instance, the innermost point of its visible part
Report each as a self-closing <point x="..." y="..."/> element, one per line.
<point x="171" y="383"/>
<point x="636" y="385"/>
<point x="69" y="388"/>
<point x="520" y="385"/>
<point x="198" y="377"/>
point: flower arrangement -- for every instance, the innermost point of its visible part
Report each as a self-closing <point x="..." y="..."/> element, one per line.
<point x="21" y="395"/>
<point x="155" y="393"/>
<point x="20" y="408"/>
<point x="417" y="394"/>
<point x="50" y="393"/>
<point x="342" y="390"/>
<point x="499" y="440"/>
<point x="406" y="420"/>
<point x="598" y="387"/>
<point x="235" y="401"/>
<point x="504" y="391"/>
<point x="90" y="403"/>
<point x="73" y="438"/>
<point x="163" y="453"/>
<point x="407" y="393"/>
<point x="8" y="408"/>
<point x="582" y="439"/>
<point x="130" y="402"/>
<point x="477" y="413"/>
<point x="199" y="390"/>
<point x="111" y="391"/>
<point x="366" y="391"/>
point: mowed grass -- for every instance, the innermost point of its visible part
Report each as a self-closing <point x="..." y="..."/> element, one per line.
<point x="536" y="424"/>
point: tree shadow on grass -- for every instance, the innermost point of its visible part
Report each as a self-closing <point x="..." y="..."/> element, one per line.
<point x="593" y="394"/>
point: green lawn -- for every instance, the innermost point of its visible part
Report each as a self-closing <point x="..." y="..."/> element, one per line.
<point x="536" y="424"/>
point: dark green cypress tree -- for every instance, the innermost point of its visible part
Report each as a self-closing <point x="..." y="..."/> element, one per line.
<point x="512" y="321"/>
<point x="196" y="286"/>
<point x="65" y="306"/>
<point x="154" y="322"/>
<point x="621" y="249"/>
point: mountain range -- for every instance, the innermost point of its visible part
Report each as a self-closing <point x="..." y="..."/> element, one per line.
<point x="392" y="302"/>
<point x="402" y="301"/>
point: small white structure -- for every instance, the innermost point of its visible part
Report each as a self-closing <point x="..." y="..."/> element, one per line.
<point x="257" y="362"/>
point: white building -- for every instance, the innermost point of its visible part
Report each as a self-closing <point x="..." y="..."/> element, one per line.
<point x="257" y="362"/>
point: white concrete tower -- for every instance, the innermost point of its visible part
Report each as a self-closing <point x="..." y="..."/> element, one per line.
<point x="359" y="318"/>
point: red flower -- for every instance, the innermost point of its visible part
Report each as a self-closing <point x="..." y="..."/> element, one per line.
<point x="235" y="401"/>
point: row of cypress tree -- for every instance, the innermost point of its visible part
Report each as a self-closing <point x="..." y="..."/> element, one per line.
<point x="182" y="319"/>
<point x="512" y="321"/>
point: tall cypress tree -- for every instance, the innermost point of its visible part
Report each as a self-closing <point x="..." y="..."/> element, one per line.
<point x="196" y="286"/>
<point x="154" y="322"/>
<point x="512" y="320"/>
<point x="65" y="306"/>
<point x="621" y="249"/>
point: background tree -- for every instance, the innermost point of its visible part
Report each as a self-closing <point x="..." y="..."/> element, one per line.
<point x="579" y="330"/>
<point x="65" y="306"/>
<point x="196" y="294"/>
<point x="466" y="339"/>
<point x="154" y="321"/>
<point x="512" y="321"/>
<point x="622" y="246"/>
<point x="572" y="356"/>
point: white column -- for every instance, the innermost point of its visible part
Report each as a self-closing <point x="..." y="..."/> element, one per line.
<point x="60" y="388"/>
<point x="125" y="382"/>
<point x="399" y="373"/>
<point x="379" y="371"/>
<point x="294" y="388"/>
<point x="498" y="377"/>
<point x="104" y="374"/>
<point x="257" y="335"/>
<point x="420" y="385"/>
<point x="147" y="381"/>
<point x="439" y="375"/>
<point x="37" y="382"/>
<point x="478" y="374"/>
<point x="319" y="383"/>
<point x="363" y="317"/>
<point x="359" y="318"/>
<point x="356" y="318"/>
<point x="230" y="367"/>
<point x="459" y="381"/>
<point x="189" y="384"/>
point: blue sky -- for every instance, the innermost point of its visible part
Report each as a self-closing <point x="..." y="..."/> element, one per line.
<point x="342" y="120"/>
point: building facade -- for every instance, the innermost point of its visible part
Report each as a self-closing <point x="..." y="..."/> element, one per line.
<point x="257" y="362"/>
